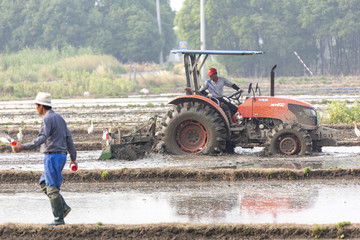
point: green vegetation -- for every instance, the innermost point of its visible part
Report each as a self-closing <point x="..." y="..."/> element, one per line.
<point x="325" y="101"/>
<point x="307" y="171"/>
<point x="318" y="231"/>
<point x="104" y="174"/>
<point x="343" y="224"/>
<point x="271" y="173"/>
<point x="340" y="230"/>
<point x="149" y="105"/>
<point x="66" y="72"/>
<point x="126" y="30"/>
<point x="340" y="112"/>
<point x="69" y="72"/>
<point x="290" y="175"/>
<point x="279" y="29"/>
<point x="133" y="105"/>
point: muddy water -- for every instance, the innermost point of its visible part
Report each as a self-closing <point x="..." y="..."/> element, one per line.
<point x="304" y="202"/>
<point x="331" y="157"/>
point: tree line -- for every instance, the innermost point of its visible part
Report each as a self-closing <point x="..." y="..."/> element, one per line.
<point x="126" y="29"/>
<point x="325" y="33"/>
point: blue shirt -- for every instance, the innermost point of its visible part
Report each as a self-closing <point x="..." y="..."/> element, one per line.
<point x="54" y="136"/>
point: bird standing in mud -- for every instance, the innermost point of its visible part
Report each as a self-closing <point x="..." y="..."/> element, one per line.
<point x="91" y="128"/>
<point x="357" y="131"/>
<point x="104" y="136"/>
<point x="20" y="135"/>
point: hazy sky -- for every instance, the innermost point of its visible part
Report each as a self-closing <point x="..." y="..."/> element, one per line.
<point x="176" y="4"/>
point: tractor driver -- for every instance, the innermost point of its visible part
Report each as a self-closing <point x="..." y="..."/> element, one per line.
<point x="216" y="86"/>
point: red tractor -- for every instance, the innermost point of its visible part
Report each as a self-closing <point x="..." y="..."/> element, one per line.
<point x="198" y="124"/>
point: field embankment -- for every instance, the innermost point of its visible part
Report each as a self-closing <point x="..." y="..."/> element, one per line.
<point x="179" y="231"/>
<point x="181" y="175"/>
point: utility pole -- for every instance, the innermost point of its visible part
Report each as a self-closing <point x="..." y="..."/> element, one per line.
<point x="202" y="36"/>
<point x="161" y="60"/>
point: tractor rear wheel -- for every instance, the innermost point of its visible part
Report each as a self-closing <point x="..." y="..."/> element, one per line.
<point x="289" y="139"/>
<point x="194" y="128"/>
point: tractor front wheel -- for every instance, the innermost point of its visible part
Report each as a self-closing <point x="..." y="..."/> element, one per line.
<point x="194" y="128"/>
<point x="289" y="139"/>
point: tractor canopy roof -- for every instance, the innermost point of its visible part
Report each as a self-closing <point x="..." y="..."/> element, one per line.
<point x="193" y="62"/>
<point x="216" y="52"/>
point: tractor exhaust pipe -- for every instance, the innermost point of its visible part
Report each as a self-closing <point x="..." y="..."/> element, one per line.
<point x="272" y="81"/>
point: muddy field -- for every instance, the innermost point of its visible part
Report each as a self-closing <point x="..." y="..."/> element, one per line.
<point x="94" y="141"/>
<point x="124" y="114"/>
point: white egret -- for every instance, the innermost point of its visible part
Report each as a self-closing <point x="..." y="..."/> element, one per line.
<point x="20" y="135"/>
<point x="357" y="131"/>
<point x="91" y="128"/>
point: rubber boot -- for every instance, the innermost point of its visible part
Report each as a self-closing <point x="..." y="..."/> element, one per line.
<point x="56" y="206"/>
<point x="67" y="209"/>
<point x="228" y="114"/>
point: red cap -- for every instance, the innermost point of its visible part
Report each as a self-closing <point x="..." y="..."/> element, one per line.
<point x="211" y="71"/>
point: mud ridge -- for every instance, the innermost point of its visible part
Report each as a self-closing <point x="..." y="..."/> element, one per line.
<point x="174" y="175"/>
<point x="97" y="146"/>
<point x="91" y="142"/>
<point x="178" y="231"/>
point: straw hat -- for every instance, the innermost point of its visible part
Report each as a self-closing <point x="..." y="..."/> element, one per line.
<point x="43" y="99"/>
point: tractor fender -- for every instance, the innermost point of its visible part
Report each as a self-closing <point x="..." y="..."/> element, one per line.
<point x="206" y="101"/>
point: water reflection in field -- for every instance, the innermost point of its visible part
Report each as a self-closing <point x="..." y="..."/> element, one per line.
<point x="305" y="202"/>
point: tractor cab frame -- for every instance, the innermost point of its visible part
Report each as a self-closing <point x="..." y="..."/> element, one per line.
<point x="194" y="61"/>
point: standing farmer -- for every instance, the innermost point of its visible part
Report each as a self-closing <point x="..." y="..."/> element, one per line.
<point x="55" y="141"/>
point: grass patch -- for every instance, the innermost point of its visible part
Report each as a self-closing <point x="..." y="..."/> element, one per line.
<point x="341" y="112"/>
<point x="317" y="231"/>
<point x="340" y="229"/>
<point x="104" y="174"/>
<point x="307" y="171"/>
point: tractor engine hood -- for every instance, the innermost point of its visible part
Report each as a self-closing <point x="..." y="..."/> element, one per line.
<point x="284" y="109"/>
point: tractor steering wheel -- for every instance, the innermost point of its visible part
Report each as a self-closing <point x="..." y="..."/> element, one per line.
<point x="236" y="97"/>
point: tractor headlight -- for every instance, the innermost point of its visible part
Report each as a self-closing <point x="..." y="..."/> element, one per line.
<point x="309" y="112"/>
